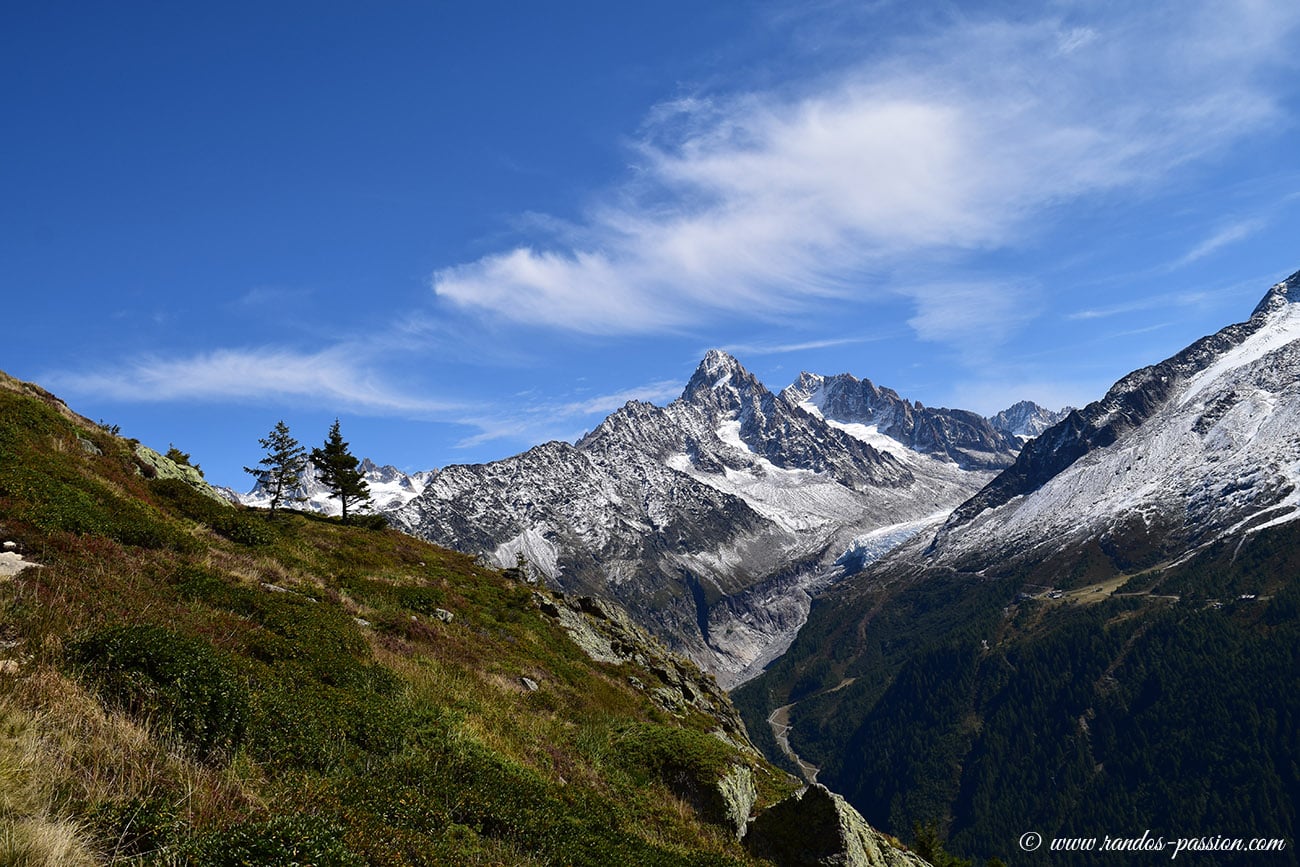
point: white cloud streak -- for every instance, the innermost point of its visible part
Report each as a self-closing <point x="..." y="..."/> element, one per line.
<point x="330" y="376"/>
<point x="660" y="392"/>
<point x="758" y="204"/>
<point x="783" y="348"/>
<point x="566" y="421"/>
<point x="334" y="378"/>
<point x="1222" y="238"/>
<point x="974" y="317"/>
<point x="1154" y="302"/>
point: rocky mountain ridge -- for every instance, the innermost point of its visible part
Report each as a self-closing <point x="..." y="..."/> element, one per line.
<point x="716" y="518"/>
<point x="965" y="438"/>
<point x="1172" y="457"/>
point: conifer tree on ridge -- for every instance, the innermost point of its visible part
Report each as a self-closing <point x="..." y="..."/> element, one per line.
<point x="280" y="472"/>
<point x="338" y="472"/>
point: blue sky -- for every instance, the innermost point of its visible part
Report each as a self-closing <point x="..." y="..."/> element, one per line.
<point x="466" y="228"/>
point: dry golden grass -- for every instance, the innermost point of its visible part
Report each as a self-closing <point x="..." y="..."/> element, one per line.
<point x="29" y="832"/>
<point x="42" y="842"/>
<point x="62" y="752"/>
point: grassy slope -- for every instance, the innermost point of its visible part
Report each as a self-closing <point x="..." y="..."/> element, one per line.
<point x="185" y="682"/>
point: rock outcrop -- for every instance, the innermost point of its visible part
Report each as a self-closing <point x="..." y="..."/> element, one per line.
<point x="817" y="828"/>
<point x="607" y="634"/>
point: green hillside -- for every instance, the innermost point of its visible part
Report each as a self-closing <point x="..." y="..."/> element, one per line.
<point x="187" y="682"/>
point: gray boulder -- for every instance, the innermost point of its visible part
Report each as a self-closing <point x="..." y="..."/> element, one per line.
<point x="817" y="828"/>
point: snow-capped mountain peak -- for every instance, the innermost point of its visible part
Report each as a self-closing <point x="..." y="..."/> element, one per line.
<point x="390" y="488"/>
<point x="879" y="415"/>
<point x="1279" y="296"/>
<point x="1026" y="419"/>
<point x="722" y="383"/>
<point x="714" y="517"/>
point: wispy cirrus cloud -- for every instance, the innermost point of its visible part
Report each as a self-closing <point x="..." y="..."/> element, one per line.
<point x="973" y="317"/>
<point x="537" y="421"/>
<point x="1153" y="302"/>
<point x="747" y="349"/>
<point x="757" y="204"/>
<point x="1223" y="237"/>
<point x="662" y="391"/>
<point x="333" y="376"/>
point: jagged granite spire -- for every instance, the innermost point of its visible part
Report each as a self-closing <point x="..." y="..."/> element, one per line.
<point x="723" y="382"/>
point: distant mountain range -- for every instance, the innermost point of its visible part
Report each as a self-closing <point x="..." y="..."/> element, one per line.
<point x="390" y="488"/>
<point x="716" y="518"/>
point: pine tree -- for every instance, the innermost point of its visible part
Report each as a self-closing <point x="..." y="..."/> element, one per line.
<point x="338" y="471"/>
<point x="279" y="472"/>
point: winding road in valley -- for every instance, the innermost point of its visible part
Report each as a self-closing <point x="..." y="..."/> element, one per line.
<point x="779" y="720"/>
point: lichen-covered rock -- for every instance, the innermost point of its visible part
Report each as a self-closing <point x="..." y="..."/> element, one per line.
<point x="818" y="828"/>
<point x="606" y="633"/>
<point x="163" y="467"/>
<point x="737" y="795"/>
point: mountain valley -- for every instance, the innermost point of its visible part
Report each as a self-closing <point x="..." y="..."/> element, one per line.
<point x="1105" y="634"/>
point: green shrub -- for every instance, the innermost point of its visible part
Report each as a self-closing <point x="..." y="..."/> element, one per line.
<point x="53" y="498"/>
<point x="188" y="501"/>
<point x="666" y="752"/>
<point x="237" y="525"/>
<point x="243" y="529"/>
<point x="302" y="723"/>
<point x="376" y="593"/>
<point x="369" y="522"/>
<point x="179" y="683"/>
<point x="689" y="762"/>
<point x="317" y="698"/>
<point x="281" y="840"/>
<point x="136" y="826"/>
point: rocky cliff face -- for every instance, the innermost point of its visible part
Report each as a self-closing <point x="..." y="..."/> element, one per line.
<point x="813" y="826"/>
<point x="1026" y="419"/>
<point x="818" y="827"/>
<point x="964" y="438"/>
<point x="713" y="519"/>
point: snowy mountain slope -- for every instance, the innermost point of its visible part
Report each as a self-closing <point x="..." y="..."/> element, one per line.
<point x="1026" y="419"/>
<point x="871" y="412"/>
<point x="390" y="488"/>
<point x="1175" y="455"/>
<point x="713" y="519"/>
